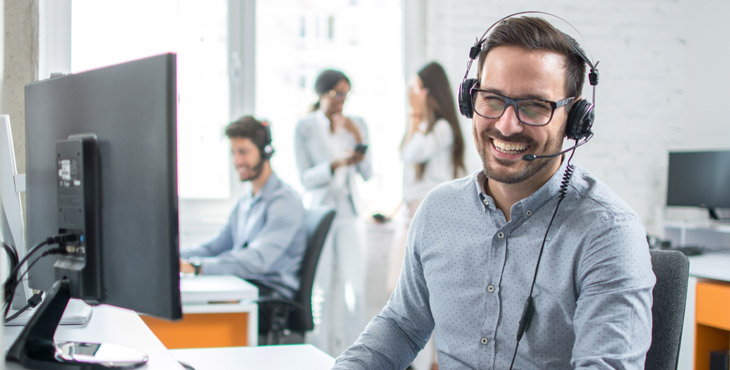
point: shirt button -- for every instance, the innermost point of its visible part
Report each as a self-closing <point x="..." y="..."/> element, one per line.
<point x="490" y="288"/>
<point x="485" y="201"/>
<point x="500" y="235"/>
<point x="528" y="213"/>
<point x="484" y="341"/>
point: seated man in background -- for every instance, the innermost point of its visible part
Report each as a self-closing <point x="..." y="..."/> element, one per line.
<point x="264" y="239"/>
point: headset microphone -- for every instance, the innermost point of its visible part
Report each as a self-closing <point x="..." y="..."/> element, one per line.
<point x="532" y="157"/>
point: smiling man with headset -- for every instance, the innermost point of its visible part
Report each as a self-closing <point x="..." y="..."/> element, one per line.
<point x="265" y="237"/>
<point x="531" y="262"/>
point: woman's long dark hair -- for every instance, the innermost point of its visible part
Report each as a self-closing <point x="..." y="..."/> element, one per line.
<point x="441" y="101"/>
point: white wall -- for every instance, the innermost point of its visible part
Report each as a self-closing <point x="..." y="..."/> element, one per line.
<point x="707" y="74"/>
<point x="657" y="65"/>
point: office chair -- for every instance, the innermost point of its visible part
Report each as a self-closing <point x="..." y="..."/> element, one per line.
<point x="295" y="315"/>
<point x="670" y="294"/>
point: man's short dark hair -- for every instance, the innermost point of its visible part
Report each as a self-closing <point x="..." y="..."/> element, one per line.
<point x="250" y="128"/>
<point x="533" y="33"/>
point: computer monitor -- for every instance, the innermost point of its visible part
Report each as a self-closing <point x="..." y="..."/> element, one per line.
<point x="11" y="213"/>
<point x="102" y="167"/>
<point x="699" y="179"/>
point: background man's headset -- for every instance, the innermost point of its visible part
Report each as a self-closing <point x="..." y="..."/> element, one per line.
<point x="267" y="150"/>
<point x="578" y="127"/>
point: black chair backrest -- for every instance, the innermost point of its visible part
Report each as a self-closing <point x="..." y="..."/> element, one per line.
<point x="318" y="222"/>
<point x="670" y="296"/>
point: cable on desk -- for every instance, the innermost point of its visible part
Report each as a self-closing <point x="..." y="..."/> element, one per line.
<point x="35" y="299"/>
<point x="33" y="302"/>
<point x="12" y="281"/>
<point x="12" y="254"/>
<point x="13" y="257"/>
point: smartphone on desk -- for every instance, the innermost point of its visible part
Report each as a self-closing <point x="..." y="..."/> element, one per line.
<point x="361" y="148"/>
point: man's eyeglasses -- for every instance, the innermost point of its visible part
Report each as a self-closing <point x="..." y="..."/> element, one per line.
<point x="532" y="112"/>
<point x="338" y="94"/>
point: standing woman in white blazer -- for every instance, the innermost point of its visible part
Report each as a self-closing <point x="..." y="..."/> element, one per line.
<point x="331" y="151"/>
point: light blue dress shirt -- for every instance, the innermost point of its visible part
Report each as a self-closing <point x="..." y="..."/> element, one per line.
<point x="468" y="270"/>
<point x="264" y="239"/>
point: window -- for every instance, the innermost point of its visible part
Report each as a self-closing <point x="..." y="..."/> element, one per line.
<point x="363" y="39"/>
<point x="246" y="56"/>
<point x="110" y="32"/>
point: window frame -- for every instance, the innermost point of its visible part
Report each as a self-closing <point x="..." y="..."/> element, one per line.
<point x="205" y="215"/>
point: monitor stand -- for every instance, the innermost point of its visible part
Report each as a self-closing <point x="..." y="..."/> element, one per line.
<point x="77" y="312"/>
<point x="36" y="349"/>
<point x="719" y="214"/>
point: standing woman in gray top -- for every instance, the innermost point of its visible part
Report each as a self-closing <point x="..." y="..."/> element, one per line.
<point x="331" y="152"/>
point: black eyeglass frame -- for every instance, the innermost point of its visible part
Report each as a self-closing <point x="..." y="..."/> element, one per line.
<point x="513" y="102"/>
<point x="334" y="94"/>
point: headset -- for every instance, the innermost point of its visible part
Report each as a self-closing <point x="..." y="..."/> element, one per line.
<point x="581" y="115"/>
<point x="267" y="151"/>
<point x="578" y="127"/>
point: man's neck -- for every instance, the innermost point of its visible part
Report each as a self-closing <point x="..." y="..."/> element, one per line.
<point x="258" y="183"/>
<point x="506" y="195"/>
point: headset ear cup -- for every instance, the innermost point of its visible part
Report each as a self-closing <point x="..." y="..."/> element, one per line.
<point x="580" y="120"/>
<point x="268" y="152"/>
<point x="465" y="106"/>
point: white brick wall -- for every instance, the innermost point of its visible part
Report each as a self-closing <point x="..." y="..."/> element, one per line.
<point x="643" y="109"/>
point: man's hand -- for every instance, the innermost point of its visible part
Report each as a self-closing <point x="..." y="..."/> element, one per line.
<point x="186" y="267"/>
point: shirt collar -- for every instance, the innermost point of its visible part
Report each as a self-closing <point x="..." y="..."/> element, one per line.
<point x="322" y="119"/>
<point x="479" y="181"/>
<point x="536" y="200"/>
<point x="272" y="183"/>
<point x="545" y="193"/>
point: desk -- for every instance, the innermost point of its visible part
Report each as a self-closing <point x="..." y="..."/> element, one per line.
<point x="300" y="356"/>
<point x="217" y="312"/>
<point x="715" y="266"/>
<point x="712" y="268"/>
<point x="110" y="325"/>
<point x="707" y="317"/>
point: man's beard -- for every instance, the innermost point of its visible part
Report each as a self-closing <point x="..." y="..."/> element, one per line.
<point x="255" y="172"/>
<point x="527" y="171"/>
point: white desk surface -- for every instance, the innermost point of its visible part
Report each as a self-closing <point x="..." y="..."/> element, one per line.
<point x="713" y="265"/>
<point x="285" y="357"/>
<point x="216" y="288"/>
<point x="108" y="324"/>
